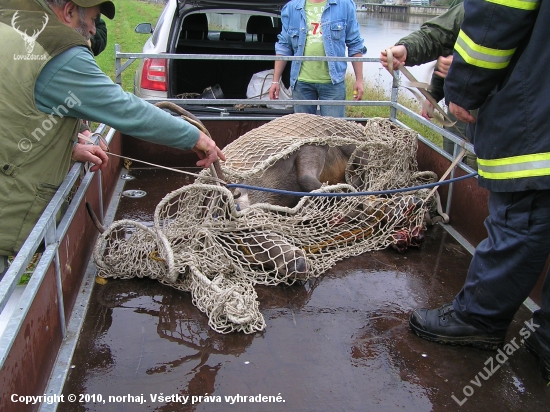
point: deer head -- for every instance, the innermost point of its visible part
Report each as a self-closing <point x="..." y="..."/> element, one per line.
<point x="29" y="40"/>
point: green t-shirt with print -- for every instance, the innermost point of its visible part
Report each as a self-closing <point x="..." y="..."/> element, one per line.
<point x="314" y="71"/>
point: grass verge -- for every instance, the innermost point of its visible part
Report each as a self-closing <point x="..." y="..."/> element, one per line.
<point x="375" y="92"/>
<point x="129" y="13"/>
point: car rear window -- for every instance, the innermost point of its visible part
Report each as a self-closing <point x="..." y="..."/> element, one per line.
<point x="230" y="26"/>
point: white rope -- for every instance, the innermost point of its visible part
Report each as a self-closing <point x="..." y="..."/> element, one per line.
<point x="200" y="243"/>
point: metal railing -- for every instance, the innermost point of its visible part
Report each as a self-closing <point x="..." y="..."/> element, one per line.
<point x="393" y="103"/>
<point x="48" y="233"/>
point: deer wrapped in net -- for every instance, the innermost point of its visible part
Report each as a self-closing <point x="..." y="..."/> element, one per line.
<point x="217" y="244"/>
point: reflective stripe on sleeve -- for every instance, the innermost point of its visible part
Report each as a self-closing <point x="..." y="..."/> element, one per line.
<point x="481" y="56"/>
<point x="515" y="167"/>
<point x="518" y="4"/>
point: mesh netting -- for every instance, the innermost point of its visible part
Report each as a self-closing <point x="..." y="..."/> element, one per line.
<point x="200" y="242"/>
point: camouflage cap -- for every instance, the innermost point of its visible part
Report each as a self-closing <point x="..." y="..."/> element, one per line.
<point x="107" y="7"/>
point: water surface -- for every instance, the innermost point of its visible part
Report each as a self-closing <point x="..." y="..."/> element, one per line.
<point x="381" y="30"/>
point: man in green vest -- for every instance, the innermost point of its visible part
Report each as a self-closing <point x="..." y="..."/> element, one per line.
<point x="50" y="81"/>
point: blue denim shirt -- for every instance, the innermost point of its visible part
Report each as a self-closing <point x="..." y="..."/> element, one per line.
<point x="340" y="29"/>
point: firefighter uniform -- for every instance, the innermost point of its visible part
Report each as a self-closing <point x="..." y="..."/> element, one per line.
<point x="500" y="67"/>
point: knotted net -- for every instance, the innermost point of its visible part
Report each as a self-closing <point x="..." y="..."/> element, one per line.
<point x="200" y="242"/>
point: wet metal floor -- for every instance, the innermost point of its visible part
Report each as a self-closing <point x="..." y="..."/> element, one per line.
<point x="337" y="343"/>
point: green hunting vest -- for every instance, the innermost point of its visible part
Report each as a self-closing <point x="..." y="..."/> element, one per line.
<point x="35" y="147"/>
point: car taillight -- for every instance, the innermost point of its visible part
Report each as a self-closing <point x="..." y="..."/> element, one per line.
<point x="153" y="75"/>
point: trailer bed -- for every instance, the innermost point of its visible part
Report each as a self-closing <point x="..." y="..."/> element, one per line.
<point x="340" y="342"/>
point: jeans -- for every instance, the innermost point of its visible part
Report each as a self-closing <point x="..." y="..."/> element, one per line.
<point x="320" y="91"/>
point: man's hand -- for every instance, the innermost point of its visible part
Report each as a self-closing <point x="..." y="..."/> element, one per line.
<point x="399" y="56"/>
<point x="85" y="133"/>
<point x="207" y="151"/>
<point x="461" y="113"/>
<point x="88" y="139"/>
<point x="278" y="69"/>
<point x="442" y="65"/>
<point x="274" y="91"/>
<point x="90" y="153"/>
<point x="358" y="90"/>
<point x="427" y="110"/>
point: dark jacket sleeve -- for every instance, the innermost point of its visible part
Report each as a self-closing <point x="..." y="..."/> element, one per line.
<point x="435" y="38"/>
<point x="436" y="87"/>
<point x="485" y="49"/>
<point x="99" y="40"/>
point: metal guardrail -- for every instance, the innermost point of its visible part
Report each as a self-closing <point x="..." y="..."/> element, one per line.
<point x="392" y="103"/>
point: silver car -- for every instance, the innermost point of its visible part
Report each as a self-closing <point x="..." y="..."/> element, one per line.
<point x="207" y="28"/>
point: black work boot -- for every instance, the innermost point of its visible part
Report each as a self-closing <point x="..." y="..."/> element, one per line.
<point x="443" y="326"/>
<point x="538" y="348"/>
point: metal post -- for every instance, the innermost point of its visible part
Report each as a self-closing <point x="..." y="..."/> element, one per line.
<point x="118" y="72"/>
<point x="50" y="239"/>
<point x="451" y="176"/>
<point x="394" y="96"/>
<point x="100" y="189"/>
